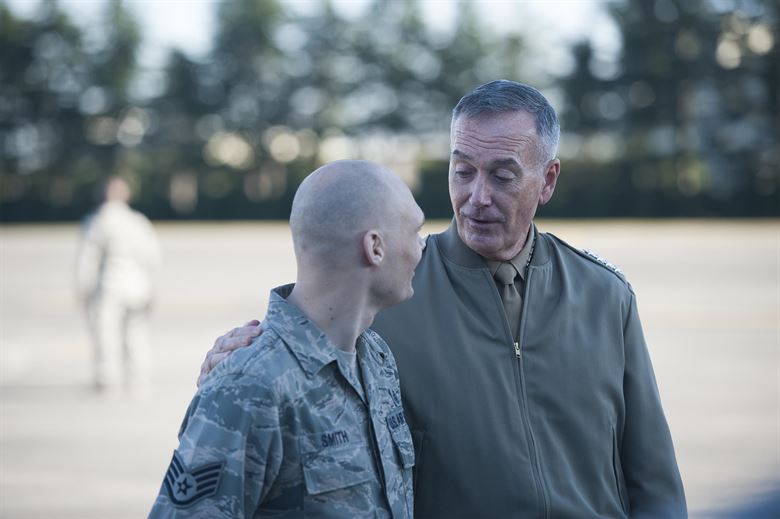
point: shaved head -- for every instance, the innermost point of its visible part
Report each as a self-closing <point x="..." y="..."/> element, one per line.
<point x="336" y="204"/>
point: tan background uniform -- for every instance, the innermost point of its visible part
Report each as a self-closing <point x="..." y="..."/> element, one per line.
<point x="117" y="257"/>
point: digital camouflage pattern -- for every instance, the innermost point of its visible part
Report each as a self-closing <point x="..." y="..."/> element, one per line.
<point x="295" y="438"/>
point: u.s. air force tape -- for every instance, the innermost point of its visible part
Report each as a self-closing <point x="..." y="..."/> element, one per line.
<point x="187" y="486"/>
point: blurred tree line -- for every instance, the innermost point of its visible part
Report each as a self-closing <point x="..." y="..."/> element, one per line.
<point x="684" y="123"/>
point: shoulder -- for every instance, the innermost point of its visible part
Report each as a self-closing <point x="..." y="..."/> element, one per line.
<point x="586" y="260"/>
<point x="140" y="218"/>
<point x="258" y="367"/>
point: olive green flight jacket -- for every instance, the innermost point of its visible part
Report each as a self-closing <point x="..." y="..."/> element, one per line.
<point x="567" y="423"/>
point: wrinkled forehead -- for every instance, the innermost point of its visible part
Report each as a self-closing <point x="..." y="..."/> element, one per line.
<point x="506" y="134"/>
<point x="510" y="125"/>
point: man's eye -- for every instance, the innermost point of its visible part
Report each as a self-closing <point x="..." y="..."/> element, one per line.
<point x="462" y="172"/>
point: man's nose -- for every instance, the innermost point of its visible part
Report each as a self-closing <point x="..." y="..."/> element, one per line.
<point x="480" y="192"/>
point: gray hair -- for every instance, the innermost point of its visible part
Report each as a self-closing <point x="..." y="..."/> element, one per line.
<point x="504" y="96"/>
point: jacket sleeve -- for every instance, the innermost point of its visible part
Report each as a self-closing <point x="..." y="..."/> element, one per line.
<point x="152" y="251"/>
<point x="89" y="258"/>
<point x="228" y="457"/>
<point x="646" y="451"/>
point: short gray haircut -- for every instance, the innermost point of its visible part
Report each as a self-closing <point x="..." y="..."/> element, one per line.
<point x="504" y="96"/>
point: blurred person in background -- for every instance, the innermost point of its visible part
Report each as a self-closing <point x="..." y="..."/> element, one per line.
<point x="526" y="379"/>
<point x="117" y="257"/>
<point x="308" y="422"/>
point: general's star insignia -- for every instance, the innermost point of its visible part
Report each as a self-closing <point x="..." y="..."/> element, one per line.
<point x="604" y="262"/>
<point x="186" y="487"/>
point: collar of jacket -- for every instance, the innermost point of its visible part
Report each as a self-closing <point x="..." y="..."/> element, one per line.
<point x="308" y="343"/>
<point x="456" y="251"/>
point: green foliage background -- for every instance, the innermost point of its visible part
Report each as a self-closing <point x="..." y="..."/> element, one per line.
<point x="686" y="122"/>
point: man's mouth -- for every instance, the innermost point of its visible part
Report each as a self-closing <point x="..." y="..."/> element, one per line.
<point x="481" y="221"/>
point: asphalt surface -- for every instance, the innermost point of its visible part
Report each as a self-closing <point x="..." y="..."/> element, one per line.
<point x="709" y="298"/>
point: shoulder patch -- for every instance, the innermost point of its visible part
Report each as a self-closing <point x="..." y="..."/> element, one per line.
<point x="186" y="487"/>
<point x="603" y="262"/>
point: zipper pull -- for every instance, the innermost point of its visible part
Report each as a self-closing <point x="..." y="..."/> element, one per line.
<point x="518" y="354"/>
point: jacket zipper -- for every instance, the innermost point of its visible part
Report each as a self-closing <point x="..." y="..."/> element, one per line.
<point x="538" y="476"/>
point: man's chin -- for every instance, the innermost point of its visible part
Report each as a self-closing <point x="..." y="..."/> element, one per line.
<point x="479" y="242"/>
<point x="402" y="298"/>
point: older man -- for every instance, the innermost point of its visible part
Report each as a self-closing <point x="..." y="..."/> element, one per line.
<point x="526" y="378"/>
<point x="308" y="422"/>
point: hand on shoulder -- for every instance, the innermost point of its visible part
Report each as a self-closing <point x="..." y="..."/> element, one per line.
<point x="225" y="344"/>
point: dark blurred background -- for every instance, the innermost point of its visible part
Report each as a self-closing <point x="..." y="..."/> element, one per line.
<point x="683" y="119"/>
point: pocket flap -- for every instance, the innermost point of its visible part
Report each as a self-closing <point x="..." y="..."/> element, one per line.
<point x="333" y="460"/>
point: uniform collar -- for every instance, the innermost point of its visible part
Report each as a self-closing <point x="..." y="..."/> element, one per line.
<point x="456" y="251"/>
<point x="520" y="260"/>
<point x="308" y="343"/>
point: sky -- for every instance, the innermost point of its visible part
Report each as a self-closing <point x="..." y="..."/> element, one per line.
<point x="189" y="24"/>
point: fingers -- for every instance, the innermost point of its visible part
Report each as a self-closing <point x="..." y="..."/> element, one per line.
<point x="212" y="359"/>
<point x="237" y="338"/>
<point x="234" y="339"/>
<point x="216" y="358"/>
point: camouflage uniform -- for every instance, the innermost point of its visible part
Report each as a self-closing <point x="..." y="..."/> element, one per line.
<point x="281" y="429"/>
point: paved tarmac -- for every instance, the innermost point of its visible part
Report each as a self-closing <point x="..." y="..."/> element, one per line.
<point x="708" y="292"/>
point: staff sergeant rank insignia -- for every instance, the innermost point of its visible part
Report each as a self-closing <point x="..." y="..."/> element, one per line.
<point x="185" y="486"/>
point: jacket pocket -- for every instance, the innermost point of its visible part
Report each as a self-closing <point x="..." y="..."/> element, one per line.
<point x="333" y="460"/>
<point x="617" y="469"/>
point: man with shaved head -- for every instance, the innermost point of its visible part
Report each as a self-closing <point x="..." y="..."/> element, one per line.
<point x="307" y="421"/>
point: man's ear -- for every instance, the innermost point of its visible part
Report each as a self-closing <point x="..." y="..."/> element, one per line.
<point x="551" y="172"/>
<point x="373" y="247"/>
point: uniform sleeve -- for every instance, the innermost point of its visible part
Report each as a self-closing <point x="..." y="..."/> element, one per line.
<point x="89" y="259"/>
<point x="647" y="454"/>
<point x="152" y="251"/>
<point x="228" y="457"/>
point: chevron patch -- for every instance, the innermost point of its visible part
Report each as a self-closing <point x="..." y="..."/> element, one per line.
<point x="186" y="487"/>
